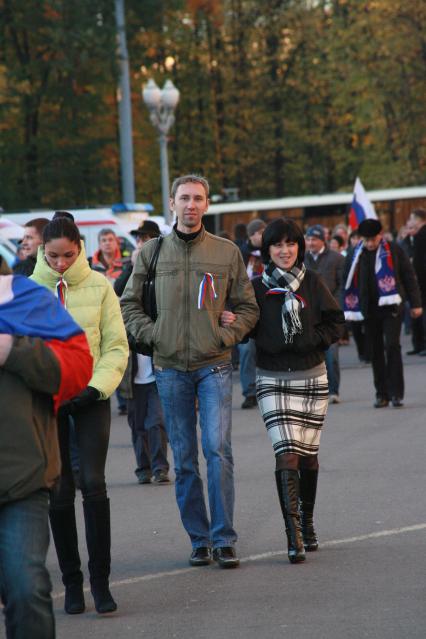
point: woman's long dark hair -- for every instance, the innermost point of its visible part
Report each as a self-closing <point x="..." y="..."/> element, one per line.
<point x="61" y="227"/>
<point x="282" y="229"/>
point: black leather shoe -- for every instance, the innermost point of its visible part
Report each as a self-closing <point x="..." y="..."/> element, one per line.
<point x="226" y="557"/>
<point x="381" y="402"/>
<point x="249" y="402"/>
<point x="397" y="402"/>
<point x="201" y="556"/>
<point x="413" y="352"/>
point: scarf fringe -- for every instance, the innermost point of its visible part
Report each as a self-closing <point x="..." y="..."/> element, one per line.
<point x="291" y="325"/>
<point x="388" y="300"/>
<point x="354" y="316"/>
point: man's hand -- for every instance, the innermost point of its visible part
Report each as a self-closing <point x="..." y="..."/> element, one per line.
<point x="416" y="312"/>
<point x="227" y="318"/>
<point x="6" y="342"/>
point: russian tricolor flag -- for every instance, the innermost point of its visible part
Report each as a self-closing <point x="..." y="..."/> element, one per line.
<point x="361" y="207"/>
<point x="31" y="310"/>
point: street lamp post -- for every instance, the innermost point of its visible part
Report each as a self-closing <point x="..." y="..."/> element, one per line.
<point x="161" y="104"/>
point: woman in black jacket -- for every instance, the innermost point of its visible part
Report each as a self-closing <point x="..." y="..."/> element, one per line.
<point x="299" y="319"/>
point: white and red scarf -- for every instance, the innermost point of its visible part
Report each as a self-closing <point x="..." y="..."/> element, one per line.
<point x="385" y="281"/>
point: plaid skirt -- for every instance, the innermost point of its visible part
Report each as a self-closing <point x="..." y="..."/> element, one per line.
<point x="293" y="412"/>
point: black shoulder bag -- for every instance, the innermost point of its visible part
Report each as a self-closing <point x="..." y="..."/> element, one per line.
<point x="149" y="302"/>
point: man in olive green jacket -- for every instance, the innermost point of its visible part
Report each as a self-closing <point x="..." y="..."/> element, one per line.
<point x="198" y="276"/>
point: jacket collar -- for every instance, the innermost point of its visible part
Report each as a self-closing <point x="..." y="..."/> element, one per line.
<point x="44" y="274"/>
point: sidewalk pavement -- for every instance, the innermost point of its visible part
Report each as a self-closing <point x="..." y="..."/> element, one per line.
<point x="367" y="579"/>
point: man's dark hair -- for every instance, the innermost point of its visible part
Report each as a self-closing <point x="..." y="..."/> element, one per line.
<point x="39" y="223"/>
<point x="282" y="229"/>
<point x="420" y="214"/>
<point x="62" y="227"/>
<point x="66" y="214"/>
<point x="339" y="240"/>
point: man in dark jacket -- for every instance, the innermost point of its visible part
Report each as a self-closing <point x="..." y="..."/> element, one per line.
<point x="330" y="265"/>
<point x="247" y="350"/>
<point x="407" y="244"/>
<point x="35" y="376"/>
<point x="33" y="238"/>
<point x="418" y="218"/>
<point x="380" y="279"/>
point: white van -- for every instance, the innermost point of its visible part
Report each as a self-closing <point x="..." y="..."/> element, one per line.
<point x="89" y="222"/>
<point x="10" y="235"/>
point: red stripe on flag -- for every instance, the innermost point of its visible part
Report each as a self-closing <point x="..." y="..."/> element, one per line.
<point x="76" y="365"/>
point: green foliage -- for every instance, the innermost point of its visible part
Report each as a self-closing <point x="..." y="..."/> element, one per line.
<point x="277" y="98"/>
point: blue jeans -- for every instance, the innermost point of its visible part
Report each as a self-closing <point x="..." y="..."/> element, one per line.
<point x="25" y="585"/>
<point x="247" y="353"/>
<point x="178" y="390"/>
<point x="333" y="369"/>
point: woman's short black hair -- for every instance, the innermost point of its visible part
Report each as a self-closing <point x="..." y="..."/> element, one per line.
<point x="282" y="229"/>
<point x="61" y="227"/>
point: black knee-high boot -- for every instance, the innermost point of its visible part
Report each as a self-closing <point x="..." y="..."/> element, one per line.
<point x="64" y="532"/>
<point x="98" y="537"/>
<point x="308" y="491"/>
<point x="288" y="493"/>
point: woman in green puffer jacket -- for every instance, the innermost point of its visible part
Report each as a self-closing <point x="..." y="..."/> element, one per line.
<point x="89" y="297"/>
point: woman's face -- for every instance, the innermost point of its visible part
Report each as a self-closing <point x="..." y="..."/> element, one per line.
<point x="284" y="254"/>
<point x="61" y="253"/>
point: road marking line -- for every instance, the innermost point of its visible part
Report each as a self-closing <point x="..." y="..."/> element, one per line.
<point x="265" y="555"/>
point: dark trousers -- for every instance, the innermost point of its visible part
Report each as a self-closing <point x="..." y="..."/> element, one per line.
<point x="383" y="331"/>
<point x="149" y="439"/>
<point x="92" y="428"/>
<point x="358" y="332"/>
<point x="417" y="333"/>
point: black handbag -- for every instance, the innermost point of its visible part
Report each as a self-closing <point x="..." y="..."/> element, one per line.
<point x="149" y="302"/>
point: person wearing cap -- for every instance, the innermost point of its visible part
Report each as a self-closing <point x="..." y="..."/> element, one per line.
<point x="147" y="230"/>
<point x="330" y="265"/>
<point x="247" y="350"/>
<point x="144" y="413"/>
<point x="378" y="278"/>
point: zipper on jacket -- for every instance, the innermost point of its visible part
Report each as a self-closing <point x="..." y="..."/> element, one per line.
<point x="187" y="307"/>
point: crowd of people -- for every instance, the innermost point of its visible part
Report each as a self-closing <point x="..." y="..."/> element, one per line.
<point x="278" y="298"/>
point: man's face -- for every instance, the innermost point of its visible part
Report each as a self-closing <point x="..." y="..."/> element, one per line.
<point x="411" y="226"/>
<point x="256" y="238"/>
<point x="343" y="234"/>
<point x="31" y="241"/>
<point x="314" y="244"/>
<point x="371" y="243"/>
<point x="108" y="243"/>
<point x="190" y="203"/>
<point x="416" y="224"/>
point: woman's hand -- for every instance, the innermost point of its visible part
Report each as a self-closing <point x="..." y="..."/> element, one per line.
<point x="227" y="318"/>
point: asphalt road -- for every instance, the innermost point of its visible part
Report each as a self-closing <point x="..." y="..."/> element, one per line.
<point x="366" y="581"/>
